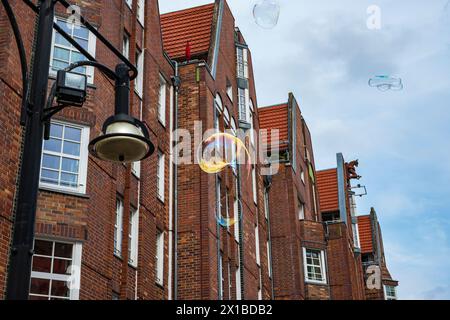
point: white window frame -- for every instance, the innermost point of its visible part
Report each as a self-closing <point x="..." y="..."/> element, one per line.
<point x="141" y="12"/>
<point x="133" y="237"/>
<point x="82" y="158"/>
<point x="236" y="217"/>
<point x="242" y="63"/>
<point x="126" y="45"/>
<point x="242" y="105"/>
<point x="139" y="82"/>
<point x="227" y="207"/>
<point x="254" y="185"/>
<point x="162" y="100"/>
<point x="159" y="257"/>
<point x="92" y="42"/>
<point x="160" y="168"/>
<point x="266" y="204"/>
<point x="322" y="262"/>
<point x="238" y="283"/>
<point x="220" y="276"/>
<point x="129" y="3"/>
<point x="136" y="169"/>
<point x="118" y="228"/>
<point x="230" y="92"/>
<point x="356" y="242"/>
<point x="257" y="249"/>
<point x="269" y="258"/>
<point x="75" y="270"/>
<point x="260" y="285"/>
<point x="389" y="297"/>
<point x="302" y="175"/>
<point x="301" y="210"/>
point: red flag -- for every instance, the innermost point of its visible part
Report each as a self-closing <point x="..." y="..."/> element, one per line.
<point x="188" y="51"/>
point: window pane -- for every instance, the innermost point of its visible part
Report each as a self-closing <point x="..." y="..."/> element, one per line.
<point x="37" y="298"/>
<point x="53" y="145"/>
<point x="61" y="266"/>
<point x="49" y="176"/>
<point x="63" y="250"/>
<point x="71" y="148"/>
<point x="60" y="40"/>
<point x="59" y="288"/>
<point x="39" y="286"/>
<point x="83" y="43"/>
<point x="72" y="134"/>
<point x="42" y="264"/>
<point x="56" y="130"/>
<point x="61" y="54"/>
<point x="67" y="27"/>
<point x="57" y="65"/>
<point x="42" y="247"/>
<point x="68" y="179"/>
<point x="81" y="32"/>
<point x="77" y="57"/>
<point x="70" y="165"/>
<point x="51" y="162"/>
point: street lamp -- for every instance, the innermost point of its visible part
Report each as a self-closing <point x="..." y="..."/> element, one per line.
<point x="124" y="138"/>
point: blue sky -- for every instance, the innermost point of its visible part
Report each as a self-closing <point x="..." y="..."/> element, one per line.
<point x="325" y="55"/>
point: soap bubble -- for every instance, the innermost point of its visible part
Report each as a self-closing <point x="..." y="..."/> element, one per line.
<point x="222" y="150"/>
<point x="226" y="222"/>
<point x="384" y="83"/>
<point x="266" y="13"/>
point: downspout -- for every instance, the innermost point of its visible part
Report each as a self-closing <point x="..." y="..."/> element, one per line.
<point x="241" y="233"/>
<point x="218" y="196"/>
<point x="272" y="294"/>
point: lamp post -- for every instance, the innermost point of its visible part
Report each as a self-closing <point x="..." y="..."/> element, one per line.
<point x="124" y="138"/>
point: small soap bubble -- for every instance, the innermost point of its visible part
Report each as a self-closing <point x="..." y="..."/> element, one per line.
<point x="266" y="13"/>
<point x="385" y="83"/>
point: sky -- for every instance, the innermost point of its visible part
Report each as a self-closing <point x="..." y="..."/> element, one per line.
<point x="324" y="53"/>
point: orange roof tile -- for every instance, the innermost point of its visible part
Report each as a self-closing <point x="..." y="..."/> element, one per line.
<point x="365" y="234"/>
<point x="275" y="117"/>
<point x="327" y="186"/>
<point x="193" y="25"/>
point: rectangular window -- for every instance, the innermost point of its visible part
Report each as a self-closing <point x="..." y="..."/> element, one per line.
<point x="238" y="283"/>
<point x="65" y="158"/>
<point x="126" y="46"/>
<point x="63" y="53"/>
<point x="162" y="100"/>
<point x="390" y="293"/>
<point x="259" y="284"/>
<point x="314" y="264"/>
<point x="220" y="277"/>
<point x="230" y="91"/>
<point x="141" y="12"/>
<point x="236" y="217"/>
<point x="129" y="3"/>
<point x="160" y="176"/>
<point x="257" y="253"/>
<point x="227" y="208"/>
<point x="54" y="266"/>
<point x="242" y="105"/>
<point x="133" y="237"/>
<point x="269" y="258"/>
<point x="355" y="235"/>
<point x="118" y="228"/>
<point x="159" y="257"/>
<point x="230" y="284"/>
<point x="301" y="210"/>
<point x="242" y="63"/>
<point x="266" y="204"/>
<point x="254" y="186"/>
<point x="136" y="168"/>
<point x="140" y="77"/>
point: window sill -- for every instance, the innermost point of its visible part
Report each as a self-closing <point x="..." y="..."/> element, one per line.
<point x="320" y="283"/>
<point x="65" y="192"/>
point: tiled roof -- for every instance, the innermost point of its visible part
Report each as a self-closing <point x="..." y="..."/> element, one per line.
<point x="191" y="25"/>
<point x="327" y="186"/>
<point x="365" y="234"/>
<point x="275" y="117"/>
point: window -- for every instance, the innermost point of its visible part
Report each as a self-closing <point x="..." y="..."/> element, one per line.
<point x="301" y="210"/>
<point x="136" y="168"/>
<point x="254" y="186"/>
<point x="159" y="257"/>
<point x="356" y="236"/>
<point x="242" y="63"/>
<point x="133" y="237"/>
<point x="257" y="253"/>
<point x="141" y="11"/>
<point x="259" y="284"/>
<point x="236" y="217"/>
<point x="242" y="105"/>
<point x="140" y="77"/>
<point x="252" y="123"/>
<point x="230" y="91"/>
<point x="390" y="293"/>
<point x="302" y="176"/>
<point x="129" y="3"/>
<point x="162" y="100"/>
<point x="227" y="208"/>
<point x="220" y="276"/>
<point x="218" y="198"/>
<point x="314" y="264"/>
<point x="65" y="158"/>
<point x="118" y="228"/>
<point x="160" y="176"/>
<point x="126" y="46"/>
<point x="63" y="53"/>
<point x="55" y="273"/>
<point x="269" y="258"/>
<point x="266" y="204"/>
<point x="238" y="283"/>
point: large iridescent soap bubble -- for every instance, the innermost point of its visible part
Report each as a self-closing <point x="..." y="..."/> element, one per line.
<point x="226" y="222"/>
<point x="222" y="150"/>
<point x="266" y="13"/>
<point x="385" y="83"/>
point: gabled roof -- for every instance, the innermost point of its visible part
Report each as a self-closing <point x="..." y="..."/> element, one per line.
<point x="191" y="25"/>
<point x="365" y="233"/>
<point x="275" y="117"/>
<point x="327" y="186"/>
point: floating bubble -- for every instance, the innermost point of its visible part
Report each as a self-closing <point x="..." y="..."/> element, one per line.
<point x="384" y="83"/>
<point x="266" y="13"/>
<point x="222" y="150"/>
<point x="226" y="222"/>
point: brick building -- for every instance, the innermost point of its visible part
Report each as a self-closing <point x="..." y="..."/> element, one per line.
<point x="297" y="234"/>
<point x="337" y="206"/>
<point x="216" y="262"/>
<point x="110" y="225"/>
<point x="374" y="261"/>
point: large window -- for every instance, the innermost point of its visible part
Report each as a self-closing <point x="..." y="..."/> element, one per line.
<point x="162" y="100"/>
<point x="242" y="105"/>
<point x="390" y="293"/>
<point x="65" y="157"/>
<point x="242" y="63"/>
<point x="133" y="237"/>
<point x="118" y="228"/>
<point x="314" y="263"/>
<point x="55" y="273"/>
<point x="159" y="258"/>
<point x="141" y="11"/>
<point x="63" y="53"/>
<point x="160" y="176"/>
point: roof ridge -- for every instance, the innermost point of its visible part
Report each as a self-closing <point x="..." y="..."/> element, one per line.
<point x="186" y="10"/>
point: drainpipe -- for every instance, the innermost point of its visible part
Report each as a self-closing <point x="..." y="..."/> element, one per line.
<point x="241" y="233"/>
